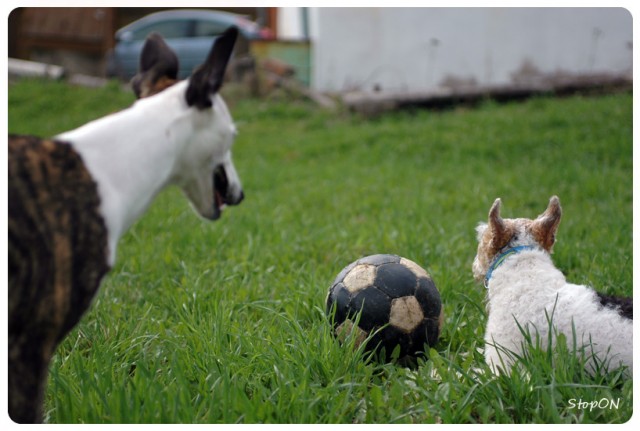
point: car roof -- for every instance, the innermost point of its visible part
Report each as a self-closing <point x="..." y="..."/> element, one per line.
<point x="229" y="17"/>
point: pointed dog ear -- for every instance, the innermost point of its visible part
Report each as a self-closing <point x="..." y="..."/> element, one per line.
<point x="500" y="233"/>
<point x="158" y="67"/>
<point x="208" y="78"/>
<point x="544" y="227"/>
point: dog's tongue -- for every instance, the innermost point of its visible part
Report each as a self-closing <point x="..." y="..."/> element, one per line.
<point x="218" y="204"/>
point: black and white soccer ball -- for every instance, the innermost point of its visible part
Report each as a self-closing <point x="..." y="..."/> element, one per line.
<point x="394" y="302"/>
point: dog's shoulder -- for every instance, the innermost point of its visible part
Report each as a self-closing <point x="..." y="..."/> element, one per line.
<point x="57" y="236"/>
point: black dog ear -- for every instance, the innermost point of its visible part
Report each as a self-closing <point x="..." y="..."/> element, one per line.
<point x="158" y="67"/>
<point x="208" y="78"/>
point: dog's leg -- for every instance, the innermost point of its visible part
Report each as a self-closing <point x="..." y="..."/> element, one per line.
<point x="28" y="363"/>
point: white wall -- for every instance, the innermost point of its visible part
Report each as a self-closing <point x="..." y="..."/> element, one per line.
<point x="421" y="48"/>
<point x="290" y="24"/>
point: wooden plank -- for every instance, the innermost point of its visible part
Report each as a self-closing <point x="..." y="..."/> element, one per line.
<point x="87" y="29"/>
<point x="376" y="103"/>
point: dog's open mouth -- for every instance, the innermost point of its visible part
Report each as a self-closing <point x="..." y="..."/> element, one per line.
<point x="220" y="191"/>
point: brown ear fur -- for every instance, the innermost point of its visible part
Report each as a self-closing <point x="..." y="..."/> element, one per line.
<point x="544" y="227"/>
<point x="501" y="233"/>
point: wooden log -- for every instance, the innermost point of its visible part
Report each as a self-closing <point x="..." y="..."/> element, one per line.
<point x="34" y="69"/>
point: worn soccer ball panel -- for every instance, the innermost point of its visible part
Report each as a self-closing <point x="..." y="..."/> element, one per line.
<point x="374" y="307"/>
<point x="379" y="259"/>
<point x="344" y="272"/>
<point x="339" y="297"/>
<point x="393" y="300"/>
<point x="360" y="277"/>
<point x="389" y="338"/>
<point x="432" y="330"/>
<point x="429" y="297"/>
<point x="406" y="314"/>
<point x="395" y="280"/>
<point x="414" y="267"/>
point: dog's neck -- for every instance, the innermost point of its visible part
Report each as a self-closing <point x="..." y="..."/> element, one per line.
<point x="131" y="155"/>
<point x="504" y="254"/>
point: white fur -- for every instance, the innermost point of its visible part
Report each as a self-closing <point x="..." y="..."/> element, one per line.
<point x="135" y="153"/>
<point x="528" y="288"/>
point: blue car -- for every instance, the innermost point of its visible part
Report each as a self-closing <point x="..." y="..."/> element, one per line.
<point x="188" y="32"/>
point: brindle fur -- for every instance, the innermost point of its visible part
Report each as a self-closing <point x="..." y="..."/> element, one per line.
<point x="57" y="257"/>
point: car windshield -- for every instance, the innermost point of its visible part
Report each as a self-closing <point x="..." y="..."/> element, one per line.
<point x="168" y="29"/>
<point x="209" y="28"/>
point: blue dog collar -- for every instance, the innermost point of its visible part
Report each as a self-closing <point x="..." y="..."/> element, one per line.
<point x="499" y="260"/>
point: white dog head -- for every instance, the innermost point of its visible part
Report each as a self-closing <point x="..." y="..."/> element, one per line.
<point x="499" y="234"/>
<point x="205" y="169"/>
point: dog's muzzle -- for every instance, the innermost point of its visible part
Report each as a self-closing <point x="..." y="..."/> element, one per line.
<point x="223" y="193"/>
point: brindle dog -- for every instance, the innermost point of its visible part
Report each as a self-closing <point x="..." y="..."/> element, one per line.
<point x="59" y="244"/>
<point x="57" y="257"/>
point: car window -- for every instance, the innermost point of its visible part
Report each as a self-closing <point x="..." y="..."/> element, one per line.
<point x="168" y="29"/>
<point x="209" y="28"/>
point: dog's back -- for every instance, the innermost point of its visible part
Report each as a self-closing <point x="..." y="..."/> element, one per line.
<point x="603" y="329"/>
<point x="57" y="256"/>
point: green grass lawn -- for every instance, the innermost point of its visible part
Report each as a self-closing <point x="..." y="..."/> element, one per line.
<point x="224" y="322"/>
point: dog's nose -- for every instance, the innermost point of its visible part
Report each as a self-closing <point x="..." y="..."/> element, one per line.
<point x="235" y="200"/>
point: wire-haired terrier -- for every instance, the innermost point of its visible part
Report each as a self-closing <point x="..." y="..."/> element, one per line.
<point x="528" y="295"/>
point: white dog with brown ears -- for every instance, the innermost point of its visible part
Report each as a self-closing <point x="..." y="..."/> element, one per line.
<point x="526" y="292"/>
